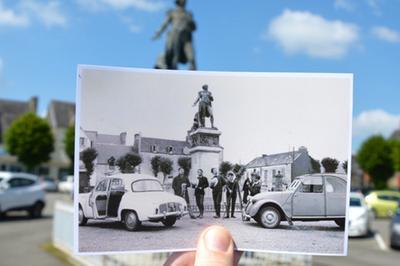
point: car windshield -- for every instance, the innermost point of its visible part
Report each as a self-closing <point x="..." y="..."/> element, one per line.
<point x="355" y="202"/>
<point x="294" y="185"/>
<point x="146" y="185"/>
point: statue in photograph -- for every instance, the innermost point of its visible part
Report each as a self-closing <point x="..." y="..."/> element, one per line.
<point x="204" y="99"/>
<point x="179" y="46"/>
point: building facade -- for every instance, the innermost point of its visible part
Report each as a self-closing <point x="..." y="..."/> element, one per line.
<point x="286" y="166"/>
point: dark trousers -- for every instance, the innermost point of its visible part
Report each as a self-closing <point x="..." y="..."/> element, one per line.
<point x="217" y="196"/>
<point x="200" y="202"/>
<point x="230" y="203"/>
<point x="245" y="195"/>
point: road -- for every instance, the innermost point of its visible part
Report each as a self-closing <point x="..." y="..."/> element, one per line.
<point x="371" y="250"/>
<point x="317" y="237"/>
<point x="22" y="238"/>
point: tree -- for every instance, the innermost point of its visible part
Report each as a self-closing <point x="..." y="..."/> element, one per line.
<point x="155" y="165"/>
<point x="225" y="167"/>
<point x="374" y="157"/>
<point x="315" y="166"/>
<point x="88" y="156"/>
<point x="186" y="164"/>
<point x="128" y="162"/>
<point x="30" y="139"/>
<point x="165" y="167"/>
<point x="69" y="141"/>
<point x="344" y="165"/>
<point x="395" y="154"/>
<point x="330" y="164"/>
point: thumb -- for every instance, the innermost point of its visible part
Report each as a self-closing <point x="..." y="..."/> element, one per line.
<point x="215" y="247"/>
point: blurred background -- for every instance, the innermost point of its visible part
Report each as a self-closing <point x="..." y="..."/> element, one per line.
<point x="42" y="41"/>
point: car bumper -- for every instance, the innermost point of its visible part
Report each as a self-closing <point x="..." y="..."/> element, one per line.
<point x="395" y="239"/>
<point x="358" y="228"/>
<point x="163" y="216"/>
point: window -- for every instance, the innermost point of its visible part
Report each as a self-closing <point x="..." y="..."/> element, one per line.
<point x="20" y="182"/>
<point x="334" y="185"/>
<point x="388" y="197"/>
<point x="81" y="141"/>
<point x="102" y="186"/>
<point x="355" y="202"/>
<point x="153" y="148"/>
<point x="170" y="149"/>
<point x="116" y="184"/>
<point x="311" y="188"/>
<point x="146" y="185"/>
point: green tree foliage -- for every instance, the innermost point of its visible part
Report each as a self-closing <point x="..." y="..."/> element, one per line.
<point x="374" y="158"/>
<point x="395" y="154"/>
<point x="30" y="139"/>
<point x="344" y="165"/>
<point x="88" y="156"/>
<point x="225" y="167"/>
<point x="330" y="164"/>
<point x="165" y="167"/>
<point x="186" y="164"/>
<point x="155" y="164"/>
<point x="315" y="165"/>
<point x="128" y="162"/>
<point x="69" y="141"/>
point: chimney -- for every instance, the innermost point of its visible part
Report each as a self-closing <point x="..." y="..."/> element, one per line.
<point x="32" y="104"/>
<point x="264" y="155"/>
<point x="122" y="138"/>
<point x="303" y="149"/>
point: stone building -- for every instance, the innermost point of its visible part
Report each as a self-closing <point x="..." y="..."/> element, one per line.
<point x="287" y="164"/>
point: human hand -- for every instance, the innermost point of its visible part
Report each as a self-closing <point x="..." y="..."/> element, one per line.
<point x="214" y="247"/>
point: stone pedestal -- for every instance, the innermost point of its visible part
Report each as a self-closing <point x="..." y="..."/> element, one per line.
<point x="205" y="151"/>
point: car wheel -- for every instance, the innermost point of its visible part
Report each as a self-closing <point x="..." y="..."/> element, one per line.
<point x="269" y="217"/>
<point x="131" y="221"/>
<point x="82" y="219"/>
<point x="341" y="223"/>
<point x="36" y="210"/>
<point x="169" y="221"/>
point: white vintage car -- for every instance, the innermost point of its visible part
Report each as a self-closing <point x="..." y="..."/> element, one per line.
<point x="131" y="199"/>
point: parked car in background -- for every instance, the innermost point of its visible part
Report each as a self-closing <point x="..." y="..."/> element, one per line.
<point x="20" y="191"/>
<point x="49" y="184"/>
<point x="66" y="184"/>
<point x="395" y="229"/>
<point x="131" y="199"/>
<point x="309" y="198"/>
<point x="383" y="203"/>
<point x="360" y="216"/>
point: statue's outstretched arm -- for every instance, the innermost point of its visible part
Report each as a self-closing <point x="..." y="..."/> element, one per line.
<point x="197" y="100"/>
<point x="163" y="27"/>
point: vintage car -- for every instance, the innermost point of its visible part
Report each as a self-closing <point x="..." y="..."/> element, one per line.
<point x="131" y="199"/>
<point x="312" y="197"/>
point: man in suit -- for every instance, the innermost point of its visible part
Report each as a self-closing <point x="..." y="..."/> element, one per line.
<point x="180" y="184"/>
<point x="231" y="187"/>
<point x="217" y="183"/>
<point x="201" y="184"/>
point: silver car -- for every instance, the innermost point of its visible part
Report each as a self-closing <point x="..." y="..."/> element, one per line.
<point x="312" y="197"/>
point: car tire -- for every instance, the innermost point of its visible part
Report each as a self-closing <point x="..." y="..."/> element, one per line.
<point x="341" y="223"/>
<point x="131" y="221"/>
<point x="81" y="216"/>
<point x="36" y="210"/>
<point x="269" y="217"/>
<point x="169" y="221"/>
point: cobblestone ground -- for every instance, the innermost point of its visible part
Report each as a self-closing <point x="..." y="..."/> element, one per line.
<point x="314" y="237"/>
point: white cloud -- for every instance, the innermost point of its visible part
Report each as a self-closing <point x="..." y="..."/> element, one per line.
<point x="25" y="11"/>
<point x="302" y="32"/>
<point x="386" y="34"/>
<point x="144" y="5"/>
<point x="48" y="13"/>
<point x="375" y="122"/>
<point x="344" y="4"/>
<point x="374" y="5"/>
<point x="132" y="26"/>
<point x="9" y="17"/>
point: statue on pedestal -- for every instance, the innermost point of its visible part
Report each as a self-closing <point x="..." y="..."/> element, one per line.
<point x="179" y="47"/>
<point x="204" y="99"/>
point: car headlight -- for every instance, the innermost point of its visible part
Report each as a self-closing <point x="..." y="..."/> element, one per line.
<point x="396" y="228"/>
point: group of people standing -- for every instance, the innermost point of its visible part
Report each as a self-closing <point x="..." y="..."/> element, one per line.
<point x="219" y="184"/>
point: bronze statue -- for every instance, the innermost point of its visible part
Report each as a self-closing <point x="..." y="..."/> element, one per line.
<point x="179" y="47"/>
<point x="204" y="99"/>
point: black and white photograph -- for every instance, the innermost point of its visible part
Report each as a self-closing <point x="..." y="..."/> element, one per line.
<point x="162" y="154"/>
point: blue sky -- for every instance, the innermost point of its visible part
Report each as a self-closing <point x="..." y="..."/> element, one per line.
<point x="42" y="41"/>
